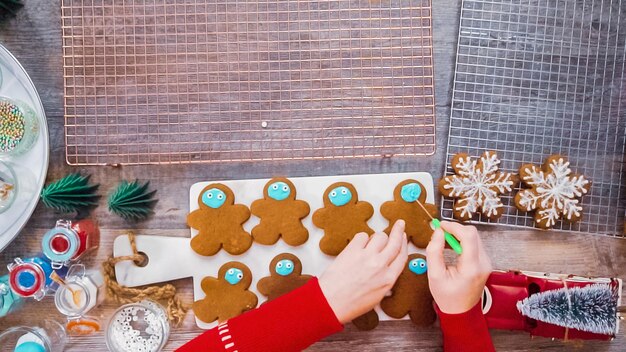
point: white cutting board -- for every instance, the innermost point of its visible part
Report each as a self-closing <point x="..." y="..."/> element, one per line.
<point x="172" y="258"/>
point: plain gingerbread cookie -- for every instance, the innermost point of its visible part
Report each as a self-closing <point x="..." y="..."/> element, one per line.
<point x="219" y="222"/>
<point x="227" y="296"/>
<point x="342" y="217"/>
<point x="411" y="294"/>
<point x="285" y="276"/>
<point x="280" y="214"/>
<point x="404" y="206"/>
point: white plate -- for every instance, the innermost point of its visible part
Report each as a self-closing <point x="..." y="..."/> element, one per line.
<point x="171" y="258"/>
<point x="30" y="167"/>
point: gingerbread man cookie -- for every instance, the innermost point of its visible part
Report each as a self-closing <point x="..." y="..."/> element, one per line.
<point x="342" y="217"/>
<point x="404" y="206"/>
<point x="285" y="276"/>
<point x="227" y="295"/>
<point x="219" y="222"/>
<point x="367" y="321"/>
<point x="553" y="193"/>
<point x="477" y="185"/>
<point x="411" y="294"/>
<point x="280" y="213"/>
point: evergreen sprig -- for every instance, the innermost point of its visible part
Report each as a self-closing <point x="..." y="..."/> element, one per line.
<point x="132" y="201"/>
<point x="71" y="193"/>
<point x="590" y="308"/>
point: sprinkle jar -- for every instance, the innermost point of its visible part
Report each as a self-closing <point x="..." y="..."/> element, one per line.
<point x="19" y="127"/>
<point x="30" y="277"/>
<point x="88" y="288"/>
<point x="138" y="327"/>
<point x="67" y="241"/>
<point x="48" y="336"/>
<point x="8" y="186"/>
<point x="9" y="300"/>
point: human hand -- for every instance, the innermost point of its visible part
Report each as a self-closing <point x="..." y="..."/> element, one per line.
<point x="457" y="289"/>
<point x="364" y="272"/>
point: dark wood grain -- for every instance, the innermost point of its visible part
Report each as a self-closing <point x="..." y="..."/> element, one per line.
<point x="34" y="36"/>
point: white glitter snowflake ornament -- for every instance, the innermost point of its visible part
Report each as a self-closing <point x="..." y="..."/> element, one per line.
<point x="477" y="185"/>
<point x="553" y="192"/>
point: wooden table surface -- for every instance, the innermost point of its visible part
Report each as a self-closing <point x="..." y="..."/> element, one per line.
<point x="34" y="37"/>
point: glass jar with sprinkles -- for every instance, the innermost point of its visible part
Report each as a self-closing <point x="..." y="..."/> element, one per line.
<point x="19" y="127"/>
<point x="8" y="187"/>
<point x="48" y="336"/>
<point x="138" y="327"/>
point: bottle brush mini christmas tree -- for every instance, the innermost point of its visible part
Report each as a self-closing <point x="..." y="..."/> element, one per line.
<point x="590" y="308"/>
<point x="71" y="193"/>
<point x="132" y="201"/>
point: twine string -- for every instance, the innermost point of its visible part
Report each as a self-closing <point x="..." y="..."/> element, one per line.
<point x="176" y="308"/>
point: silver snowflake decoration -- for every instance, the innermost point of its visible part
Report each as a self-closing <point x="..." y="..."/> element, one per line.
<point x="553" y="191"/>
<point x="478" y="185"/>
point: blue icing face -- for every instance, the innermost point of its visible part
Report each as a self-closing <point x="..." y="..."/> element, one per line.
<point x="340" y="196"/>
<point x="214" y="198"/>
<point x="411" y="192"/>
<point x="418" y="266"/>
<point x="278" y="190"/>
<point x="233" y="276"/>
<point x="284" y="267"/>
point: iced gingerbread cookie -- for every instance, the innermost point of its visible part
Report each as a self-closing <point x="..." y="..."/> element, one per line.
<point x="553" y="191"/>
<point x="285" y="276"/>
<point x="477" y="185"/>
<point x="219" y="222"/>
<point x="281" y="214"/>
<point x="404" y="206"/>
<point x="342" y="217"/>
<point x="227" y="295"/>
<point x="411" y="294"/>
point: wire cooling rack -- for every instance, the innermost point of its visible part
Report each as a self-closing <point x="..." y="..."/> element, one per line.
<point x="542" y="77"/>
<point x="229" y="80"/>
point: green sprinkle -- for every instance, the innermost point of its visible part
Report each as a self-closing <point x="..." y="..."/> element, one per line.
<point x="12" y="126"/>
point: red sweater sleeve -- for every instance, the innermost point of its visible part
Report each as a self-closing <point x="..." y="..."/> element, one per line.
<point x="289" y="323"/>
<point x="465" y="332"/>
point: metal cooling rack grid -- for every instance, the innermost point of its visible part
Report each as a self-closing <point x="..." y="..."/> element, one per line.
<point x="543" y="77"/>
<point x="227" y="80"/>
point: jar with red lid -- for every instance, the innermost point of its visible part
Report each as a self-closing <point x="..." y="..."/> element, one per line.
<point x="69" y="240"/>
<point x="30" y="277"/>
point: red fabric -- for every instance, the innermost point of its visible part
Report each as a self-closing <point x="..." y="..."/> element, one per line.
<point x="300" y="318"/>
<point x="289" y="323"/>
<point x="465" y="332"/>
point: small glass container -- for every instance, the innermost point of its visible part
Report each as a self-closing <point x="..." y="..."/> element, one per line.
<point x="30" y="277"/>
<point x="19" y="127"/>
<point x="68" y="241"/>
<point x="141" y="326"/>
<point x="9" y="300"/>
<point x="8" y="187"/>
<point x="88" y="286"/>
<point x="49" y="336"/>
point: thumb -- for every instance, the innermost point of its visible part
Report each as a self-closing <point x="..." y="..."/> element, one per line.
<point x="434" y="254"/>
